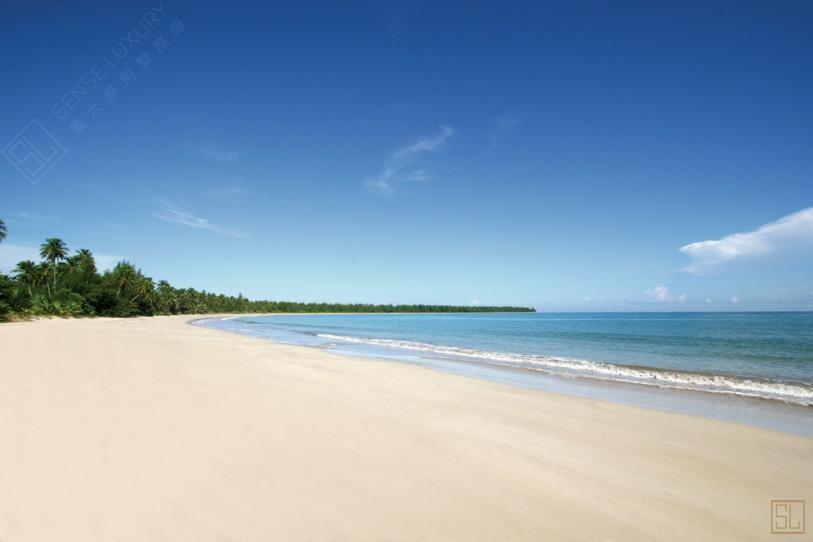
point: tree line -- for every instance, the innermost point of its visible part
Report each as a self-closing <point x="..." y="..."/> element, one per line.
<point x="65" y="284"/>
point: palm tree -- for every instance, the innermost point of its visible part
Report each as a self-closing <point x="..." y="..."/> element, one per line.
<point x="54" y="250"/>
<point x="124" y="276"/>
<point x="167" y="298"/>
<point x="86" y="261"/>
<point x="41" y="277"/>
<point x="73" y="265"/>
<point x="145" y="288"/>
<point x="26" y="273"/>
<point x="2" y="231"/>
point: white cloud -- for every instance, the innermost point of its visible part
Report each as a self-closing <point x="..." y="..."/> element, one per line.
<point x="218" y="153"/>
<point x="173" y="214"/>
<point x="184" y="218"/>
<point x="424" y="144"/>
<point x="792" y="234"/>
<point x="659" y="293"/>
<point x="709" y="301"/>
<point x="734" y="299"/>
<point x="11" y="255"/>
<point x="399" y="167"/>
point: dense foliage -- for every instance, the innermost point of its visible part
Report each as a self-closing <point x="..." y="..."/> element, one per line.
<point x="70" y="285"/>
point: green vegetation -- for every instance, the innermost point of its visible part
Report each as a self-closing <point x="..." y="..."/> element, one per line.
<point x="70" y="285"/>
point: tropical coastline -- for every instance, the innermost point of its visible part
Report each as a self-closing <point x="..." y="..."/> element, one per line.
<point x="708" y="365"/>
<point x="401" y="271"/>
<point x="72" y="285"/>
<point x="154" y="428"/>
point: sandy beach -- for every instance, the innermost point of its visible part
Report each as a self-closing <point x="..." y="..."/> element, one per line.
<point x="153" y="429"/>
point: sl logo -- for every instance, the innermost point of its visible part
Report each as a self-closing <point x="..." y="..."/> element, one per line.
<point x="788" y="517"/>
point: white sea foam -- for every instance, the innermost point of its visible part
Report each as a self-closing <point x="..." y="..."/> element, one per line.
<point x="787" y="392"/>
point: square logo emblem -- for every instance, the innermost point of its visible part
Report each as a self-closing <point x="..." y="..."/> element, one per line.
<point x="788" y="517"/>
<point x="34" y="151"/>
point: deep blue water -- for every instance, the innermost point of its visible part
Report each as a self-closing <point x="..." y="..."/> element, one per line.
<point x="765" y="355"/>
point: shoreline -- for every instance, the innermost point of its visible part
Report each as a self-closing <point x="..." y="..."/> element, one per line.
<point x="152" y="428"/>
<point x="758" y="411"/>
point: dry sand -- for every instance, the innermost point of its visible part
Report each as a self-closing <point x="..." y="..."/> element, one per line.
<point x="151" y="429"/>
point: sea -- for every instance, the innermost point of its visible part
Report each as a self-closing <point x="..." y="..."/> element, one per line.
<point x="747" y="367"/>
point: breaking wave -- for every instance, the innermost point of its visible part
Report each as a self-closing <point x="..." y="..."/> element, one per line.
<point x="779" y="391"/>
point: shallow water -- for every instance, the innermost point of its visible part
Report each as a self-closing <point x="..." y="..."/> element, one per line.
<point x="749" y="367"/>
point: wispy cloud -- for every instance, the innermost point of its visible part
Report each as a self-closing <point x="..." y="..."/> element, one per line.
<point x="23" y="217"/>
<point x="294" y="204"/>
<point x="424" y="144"/>
<point x="232" y="187"/>
<point x="502" y="125"/>
<point x="171" y="214"/>
<point x="218" y="153"/>
<point x="792" y="234"/>
<point x="176" y="215"/>
<point x="401" y="166"/>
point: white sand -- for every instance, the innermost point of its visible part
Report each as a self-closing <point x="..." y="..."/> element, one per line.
<point x="151" y="429"/>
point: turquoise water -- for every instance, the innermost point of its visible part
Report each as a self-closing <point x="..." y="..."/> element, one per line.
<point x="759" y="355"/>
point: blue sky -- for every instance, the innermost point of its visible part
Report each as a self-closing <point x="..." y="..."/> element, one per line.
<point x="569" y="156"/>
